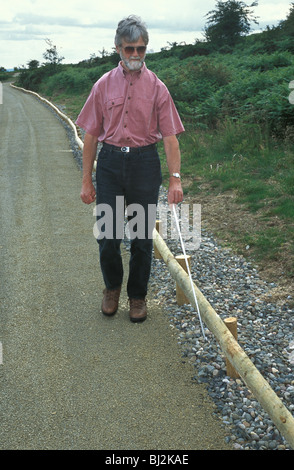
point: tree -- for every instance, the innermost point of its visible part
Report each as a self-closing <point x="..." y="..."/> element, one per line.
<point x="229" y="22"/>
<point x="33" y="64"/>
<point x="288" y="24"/>
<point x="103" y="53"/>
<point x="51" y="54"/>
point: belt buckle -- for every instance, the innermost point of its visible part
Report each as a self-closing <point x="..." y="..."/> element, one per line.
<point x="125" y="149"/>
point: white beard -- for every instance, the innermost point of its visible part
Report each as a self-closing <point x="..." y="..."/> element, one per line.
<point x="132" y="64"/>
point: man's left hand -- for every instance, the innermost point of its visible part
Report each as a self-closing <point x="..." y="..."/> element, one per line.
<point x="175" y="192"/>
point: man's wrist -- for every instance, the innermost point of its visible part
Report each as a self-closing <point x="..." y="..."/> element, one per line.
<point x="87" y="177"/>
<point x="175" y="175"/>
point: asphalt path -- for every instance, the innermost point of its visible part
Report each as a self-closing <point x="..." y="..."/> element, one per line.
<point x="70" y="378"/>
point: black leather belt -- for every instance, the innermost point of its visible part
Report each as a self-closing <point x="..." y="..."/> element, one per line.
<point x="129" y="149"/>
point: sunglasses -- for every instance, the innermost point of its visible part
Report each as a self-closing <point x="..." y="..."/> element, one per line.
<point x="131" y="49"/>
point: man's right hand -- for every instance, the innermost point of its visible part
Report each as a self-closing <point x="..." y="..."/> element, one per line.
<point x="88" y="193"/>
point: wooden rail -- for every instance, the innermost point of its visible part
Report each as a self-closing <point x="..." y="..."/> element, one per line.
<point x="60" y="114"/>
<point x="256" y="383"/>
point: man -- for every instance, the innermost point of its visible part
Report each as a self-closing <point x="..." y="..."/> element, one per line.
<point x="129" y="110"/>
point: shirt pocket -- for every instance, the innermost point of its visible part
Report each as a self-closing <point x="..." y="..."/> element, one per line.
<point x="113" y="108"/>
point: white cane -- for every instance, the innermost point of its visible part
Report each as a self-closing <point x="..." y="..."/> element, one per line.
<point x="188" y="269"/>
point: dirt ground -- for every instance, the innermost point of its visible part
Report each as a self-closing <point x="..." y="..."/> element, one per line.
<point x="229" y="220"/>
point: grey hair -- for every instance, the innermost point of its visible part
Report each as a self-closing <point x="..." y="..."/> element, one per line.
<point x="131" y="29"/>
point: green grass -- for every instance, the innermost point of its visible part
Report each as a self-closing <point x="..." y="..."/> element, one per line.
<point x="267" y="243"/>
<point x="238" y="157"/>
<point x="259" y="170"/>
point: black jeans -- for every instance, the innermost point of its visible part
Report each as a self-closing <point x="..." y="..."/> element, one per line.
<point x="129" y="180"/>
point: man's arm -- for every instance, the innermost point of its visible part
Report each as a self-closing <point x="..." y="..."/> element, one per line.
<point x="173" y="158"/>
<point x="88" y="194"/>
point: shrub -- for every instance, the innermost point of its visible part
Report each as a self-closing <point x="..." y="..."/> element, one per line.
<point x="70" y="81"/>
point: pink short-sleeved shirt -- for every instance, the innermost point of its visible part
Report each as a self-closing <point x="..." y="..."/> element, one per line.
<point x="133" y="110"/>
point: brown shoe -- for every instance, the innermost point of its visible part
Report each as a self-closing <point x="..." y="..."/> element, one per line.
<point x="138" y="310"/>
<point x="110" y="301"/>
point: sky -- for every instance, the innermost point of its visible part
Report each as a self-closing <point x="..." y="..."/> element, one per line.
<point x="80" y="29"/>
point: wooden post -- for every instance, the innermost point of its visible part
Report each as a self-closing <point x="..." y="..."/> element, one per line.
<point x="157" y="254"/>
<point x="231" y="324"/>
<point x="181" y="297"/>
<point x="256" y="383"/>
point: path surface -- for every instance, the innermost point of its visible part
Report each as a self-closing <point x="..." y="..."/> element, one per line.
<point x="71" y="378"/>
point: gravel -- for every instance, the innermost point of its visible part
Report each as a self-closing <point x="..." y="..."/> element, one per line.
<point x="233" y="287"/>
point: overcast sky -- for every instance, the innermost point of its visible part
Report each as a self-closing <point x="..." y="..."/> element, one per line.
<point x="82" y="28"/>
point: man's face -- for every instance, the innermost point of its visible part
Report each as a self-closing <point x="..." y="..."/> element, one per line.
<point x="134" y="57"/>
